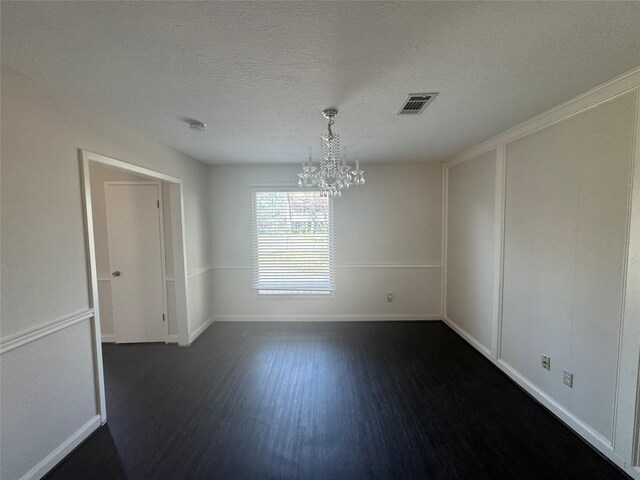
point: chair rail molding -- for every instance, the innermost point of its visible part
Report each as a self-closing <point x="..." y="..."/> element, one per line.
<point x="21" y="338"/>
<point x="199" y="271"/>
<point x="338" y="265"/>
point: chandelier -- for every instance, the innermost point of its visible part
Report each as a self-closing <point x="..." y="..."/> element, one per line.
<point x="333" y="174"/>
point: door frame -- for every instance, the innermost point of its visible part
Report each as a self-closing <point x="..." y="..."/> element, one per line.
<point x="163" y="257"/>
<point x="178" y="234"/>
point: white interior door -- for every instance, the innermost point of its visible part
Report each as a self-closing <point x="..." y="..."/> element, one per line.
<point x="135" y="254"/>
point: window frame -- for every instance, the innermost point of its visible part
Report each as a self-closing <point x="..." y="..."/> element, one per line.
<point x="291" y="294"/>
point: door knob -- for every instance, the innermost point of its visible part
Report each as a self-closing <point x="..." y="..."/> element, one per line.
<point x="116" y="273"/>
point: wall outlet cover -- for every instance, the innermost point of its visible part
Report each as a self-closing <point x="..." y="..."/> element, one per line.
<point x="568" y="379"/>
<point x="546" y="362"/>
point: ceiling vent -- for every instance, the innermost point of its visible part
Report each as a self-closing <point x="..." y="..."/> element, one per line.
<point x="416" y="103"/>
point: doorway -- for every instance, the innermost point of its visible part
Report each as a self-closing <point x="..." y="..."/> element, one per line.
<point x="134" y="228"/>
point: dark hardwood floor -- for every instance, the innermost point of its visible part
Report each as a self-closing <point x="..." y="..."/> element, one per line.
<point x="360" y="400"/>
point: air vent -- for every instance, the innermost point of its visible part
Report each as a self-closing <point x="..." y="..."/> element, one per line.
<point x="416" y="103"/>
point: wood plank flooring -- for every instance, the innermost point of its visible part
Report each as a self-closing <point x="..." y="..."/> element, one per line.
<point x="359" y="400"/>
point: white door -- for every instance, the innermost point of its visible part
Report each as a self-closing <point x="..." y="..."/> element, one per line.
<point x="135" y="254"/>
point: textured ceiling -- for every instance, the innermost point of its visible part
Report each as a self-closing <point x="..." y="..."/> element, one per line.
<point x="260" y="73"/>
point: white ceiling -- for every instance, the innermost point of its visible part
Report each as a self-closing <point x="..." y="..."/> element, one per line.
<point x="260" y="73"/>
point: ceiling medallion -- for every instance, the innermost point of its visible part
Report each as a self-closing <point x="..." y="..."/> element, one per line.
<point x="333" y="174"/>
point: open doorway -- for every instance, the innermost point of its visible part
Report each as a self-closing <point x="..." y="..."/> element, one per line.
<point x="137" y="263"/>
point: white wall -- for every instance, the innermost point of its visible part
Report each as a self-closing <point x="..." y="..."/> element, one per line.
<point x="44" y="264"/>
<point x="45" y="321"/>
<point x="470" y="246"/>
<point x="98" y="175"/>
<point x="388" y="240"/>
<point x="566" y="216"/>
<point x="48" y="396"/>
<point x="551" y="268"/>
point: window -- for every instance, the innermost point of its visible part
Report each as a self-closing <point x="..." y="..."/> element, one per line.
<point x="292" y="242"/>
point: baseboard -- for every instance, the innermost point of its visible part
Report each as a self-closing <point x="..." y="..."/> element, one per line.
<point x="592" y="437"/>
<point x="198" y="331"/>
<point x="66" y="447"/>
<point x="108" y="338"/>
<point x="585" y="431"/>
<point x="359" y="317"/>
<point x="111" y="338"/>
<point x="468" y="337"/>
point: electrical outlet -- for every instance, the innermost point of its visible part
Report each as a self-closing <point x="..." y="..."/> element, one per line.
<point x="546" y="362"/>
<point x="568" y="379"/>
<point x="389" y="297"/>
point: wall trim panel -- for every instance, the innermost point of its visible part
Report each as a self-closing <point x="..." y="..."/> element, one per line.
<point x="499" y="251"/>
<point x="22" y="338"/>
<point x="443" y="246"/>
<point x="627" y="420"/>
<point x="623" y="450"/>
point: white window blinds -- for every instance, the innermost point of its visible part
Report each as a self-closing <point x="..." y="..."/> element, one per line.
<point x="293" y="242"/>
